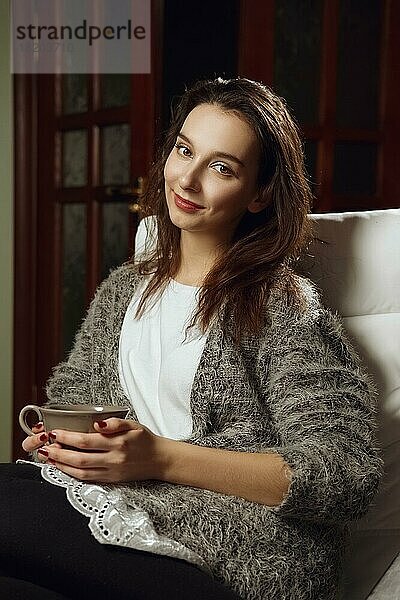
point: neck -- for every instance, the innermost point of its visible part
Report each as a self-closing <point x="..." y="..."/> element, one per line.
<point x="198" y="255"/>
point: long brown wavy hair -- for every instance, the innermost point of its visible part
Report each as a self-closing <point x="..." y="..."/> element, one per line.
<point x="265" y="244"/>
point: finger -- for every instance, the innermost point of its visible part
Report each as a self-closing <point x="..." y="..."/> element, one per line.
<point x="38" y="427"/>
<point x="73" y="458"/>
<point x="98" y="475"/>
<point x="55" y="445"/>
<point x="33" y="442"/>
<point x="83" y="441"/>
<point x="114" y="425"/>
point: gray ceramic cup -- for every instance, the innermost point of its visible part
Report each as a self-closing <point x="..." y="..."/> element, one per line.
<point x="79" y="417"/>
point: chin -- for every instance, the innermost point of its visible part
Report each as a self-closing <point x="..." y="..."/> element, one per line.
<point x="176" y="219"/>
<point x="181" y="223"/>
<point x="179" y="218"/>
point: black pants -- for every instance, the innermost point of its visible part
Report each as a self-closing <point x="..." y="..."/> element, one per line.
<point x="47" y="551"/>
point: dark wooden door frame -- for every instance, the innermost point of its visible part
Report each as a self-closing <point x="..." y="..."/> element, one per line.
<point x="25" y="245"/>
<point x="28" y="278"/>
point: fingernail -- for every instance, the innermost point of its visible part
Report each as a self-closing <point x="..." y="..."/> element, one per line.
<point x="101" y="424"/>
<point x="43" y="437"/>
<point x="38" y="424"/>
<point x="43" y="452"/>
<point x="52" y="435"/>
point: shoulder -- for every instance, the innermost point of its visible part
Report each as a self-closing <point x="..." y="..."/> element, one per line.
<point x="293" y="299"/>
<point x="295" y="310"/>
<point x="298" y="316"/>
<point x="120" y="276"/>
<point x="120" y="281"/>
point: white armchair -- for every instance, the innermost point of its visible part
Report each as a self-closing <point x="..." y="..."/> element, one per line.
<point x="358" y="272"/>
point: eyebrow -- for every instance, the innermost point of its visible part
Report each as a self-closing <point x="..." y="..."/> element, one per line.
<point x="216" y="152"/>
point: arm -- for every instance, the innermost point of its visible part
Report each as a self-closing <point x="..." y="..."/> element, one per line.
<point x="323" y="408"/>
<point x="129" y="451"/>
<point x="258" y="477"/>
<point x="326" y="467"/>
<point x="72" y="381"/>
<point x="81" y="378"/>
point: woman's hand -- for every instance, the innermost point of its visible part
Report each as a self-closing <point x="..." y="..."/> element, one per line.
<point x="123" y="450"/>
<point x="34" y="442"/>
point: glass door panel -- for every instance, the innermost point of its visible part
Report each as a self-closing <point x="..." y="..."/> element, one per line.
<point x="297" y="56"/>
<point x="73" y="271"/>
<point x="115" y="236"/>
<point x="359" y="43"/>
<point x="75" y="162"/>
<point x="74" y="93"/>
<point x="115" y="154"/>
<point x="115" y="90"/>
<point x="355" y="168"/>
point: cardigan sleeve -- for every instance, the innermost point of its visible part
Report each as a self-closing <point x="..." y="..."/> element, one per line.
<point x="70" y="380"/>
<point x="323" y="406"/>
<point x="80" y="379"/>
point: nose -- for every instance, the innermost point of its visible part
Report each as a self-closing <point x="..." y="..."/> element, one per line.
<point x="190" y="178"/>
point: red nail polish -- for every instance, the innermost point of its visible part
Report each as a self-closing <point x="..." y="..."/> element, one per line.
<point x="102" y="424"/>
<point x="52" y="435"/>
<point x="43" y="452"/>
<point x="43" y="437"/>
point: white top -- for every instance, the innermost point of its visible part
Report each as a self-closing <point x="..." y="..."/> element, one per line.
<point x="156" y="367"/>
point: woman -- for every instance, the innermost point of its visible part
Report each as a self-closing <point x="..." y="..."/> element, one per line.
<point x="250" y="440"/>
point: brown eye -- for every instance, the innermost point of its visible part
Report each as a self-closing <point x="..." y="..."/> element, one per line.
<point x="224" y="169"/>
<point x="181" y="148"/>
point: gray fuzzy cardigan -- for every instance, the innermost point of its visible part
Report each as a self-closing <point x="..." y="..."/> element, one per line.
<point x="297" y="389"/>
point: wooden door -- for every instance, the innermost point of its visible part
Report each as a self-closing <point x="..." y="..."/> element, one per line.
<point x="336" y="62"/>
<point x="90" y="143"/>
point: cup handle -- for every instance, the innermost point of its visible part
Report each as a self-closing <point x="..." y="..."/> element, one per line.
<point x="23" y="413"/>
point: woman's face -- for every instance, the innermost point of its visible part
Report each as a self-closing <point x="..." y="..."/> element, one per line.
<point x="211" y="173"/>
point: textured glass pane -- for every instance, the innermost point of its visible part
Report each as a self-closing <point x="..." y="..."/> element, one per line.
<point x="297" y="56"/>
<point x="74" y="271"/>
<point x="354" y="170"/>
<point x="75" y="98"/>
<point x="310" y="159"/>
<point x="358" y="63"/>
<point x="115" y="90"/>
<point x="116" y="154"/>
<point x="75" y="158"/>
<point x="115" y="242"/>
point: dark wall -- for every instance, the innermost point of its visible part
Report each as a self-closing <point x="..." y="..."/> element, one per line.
<point x="200" y="41"/>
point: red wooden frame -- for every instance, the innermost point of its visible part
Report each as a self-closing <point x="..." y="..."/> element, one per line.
<point x="390" y="116"/>
<point x="25" y="207"/>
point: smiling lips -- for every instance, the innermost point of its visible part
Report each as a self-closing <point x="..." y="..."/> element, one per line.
<point x="185" y="204"/>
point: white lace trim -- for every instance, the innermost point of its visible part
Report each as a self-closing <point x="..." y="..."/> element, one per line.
<point x="112" y="521"/>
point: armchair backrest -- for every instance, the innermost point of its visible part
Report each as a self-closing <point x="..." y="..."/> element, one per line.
<point x="358" y="272"/>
